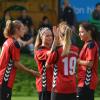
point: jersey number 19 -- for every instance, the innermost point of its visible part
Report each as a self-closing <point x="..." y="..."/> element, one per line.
<point x="69" y="65"/>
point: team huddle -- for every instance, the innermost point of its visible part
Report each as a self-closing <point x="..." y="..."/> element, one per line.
<point x="57" y="58"/>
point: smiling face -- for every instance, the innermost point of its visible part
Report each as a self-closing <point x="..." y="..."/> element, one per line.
<point x="84" y="35"/>
<point x="20" y="31"/>
<point x="47" y="38"/>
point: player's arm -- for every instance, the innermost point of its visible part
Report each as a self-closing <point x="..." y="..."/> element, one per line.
<point x="51" y="59"/>
<point x="14" y="51"/>
<point x="56" y="38"/>
<point x="85" y="62"/>
<point x="24" y="43"/>
<point x="41" y="55"/>
<point x="29" y="41"/>
<point x="21" y="67"/>
<point x="90" y="56"/>
<point x="52" y="54"/>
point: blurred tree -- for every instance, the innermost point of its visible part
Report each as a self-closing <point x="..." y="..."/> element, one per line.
<point x="16" y="8"/>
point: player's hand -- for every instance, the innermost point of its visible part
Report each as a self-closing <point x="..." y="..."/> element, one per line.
<point x="24" y="43"/>
<point x="78" y="60"/>
<point x="56" y="35"/>
<point x="35" y="73"/>
<point x="56" y="31"/>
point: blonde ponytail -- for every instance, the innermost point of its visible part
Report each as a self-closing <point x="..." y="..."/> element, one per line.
<point x="67" y="41"/>
<point x="11" y="27"/>
<point x="7" y="28"/>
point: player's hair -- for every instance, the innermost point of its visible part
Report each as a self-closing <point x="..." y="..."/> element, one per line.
<point x="62" y="23"/>
<point x="11" y="27"/>
<point x="38" y="41"/>
<point x="97" y="4"/>
<point x="66" y="37"/>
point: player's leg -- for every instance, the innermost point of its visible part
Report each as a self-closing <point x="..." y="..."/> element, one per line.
<point x="5" y="93"/>
<point x="71" y="96"/>
<point x="85" y="94"/>
<point x="58" y="96"/>
<point x="45" y="95"/>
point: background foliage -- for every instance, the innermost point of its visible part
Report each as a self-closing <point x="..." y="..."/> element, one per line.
<point x="24" y="83"/>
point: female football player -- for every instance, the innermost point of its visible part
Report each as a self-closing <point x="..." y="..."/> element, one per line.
<point x="42" y="46"/>
<point x="64" y="59"/>
<point x="87" y="62"/>
<point x="10" y="58"/>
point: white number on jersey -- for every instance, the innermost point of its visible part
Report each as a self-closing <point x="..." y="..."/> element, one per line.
<point x="69" y="65"/>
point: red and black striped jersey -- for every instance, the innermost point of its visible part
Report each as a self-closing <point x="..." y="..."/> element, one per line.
<point x="47" y="74"/>
<point x="88" y="76"/>
<point x="64" y="78"/>
<point x="10" y="53"/>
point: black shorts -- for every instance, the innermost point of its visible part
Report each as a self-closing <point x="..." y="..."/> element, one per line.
<point x="44" y="95"/>
<point x="85" y="93"/>
<point x="59" y="96"/>
<point x="5" y="93"/>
